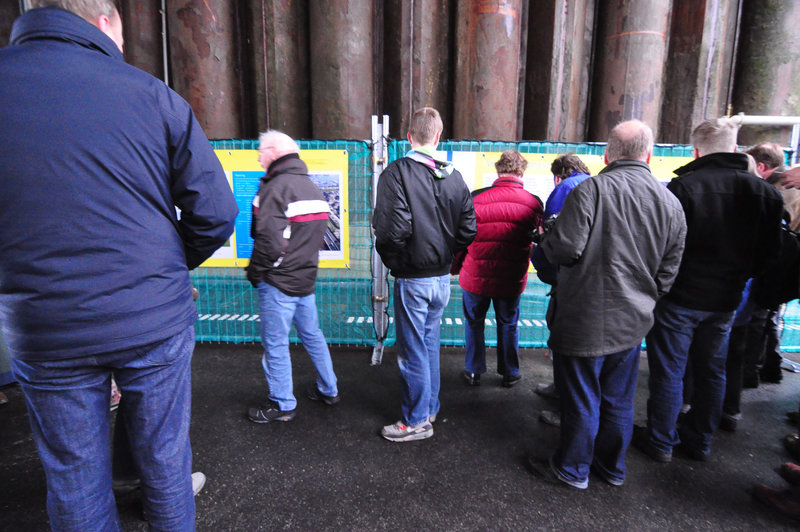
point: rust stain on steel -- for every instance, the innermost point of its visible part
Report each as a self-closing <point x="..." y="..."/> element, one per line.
<point x="629" y="33"/>
<point x="192" y="15"/>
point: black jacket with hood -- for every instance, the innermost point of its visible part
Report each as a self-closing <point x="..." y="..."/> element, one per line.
<point x="423" y="216"/>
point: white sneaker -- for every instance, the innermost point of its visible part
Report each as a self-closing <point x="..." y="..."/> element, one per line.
<point x="198" y="481"/>
<point x="402" y="432"/>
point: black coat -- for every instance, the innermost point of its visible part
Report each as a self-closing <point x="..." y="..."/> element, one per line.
<point x="733" y="221"/>
<point x="423" y="215"/>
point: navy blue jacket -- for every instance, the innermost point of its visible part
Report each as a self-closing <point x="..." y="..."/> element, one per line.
<point x="95" y="156"/>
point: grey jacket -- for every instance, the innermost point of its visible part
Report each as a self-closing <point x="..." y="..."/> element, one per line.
<point x="618" y="241"/>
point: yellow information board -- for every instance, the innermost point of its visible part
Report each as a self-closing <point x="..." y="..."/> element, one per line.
<point x="327" y="168"/>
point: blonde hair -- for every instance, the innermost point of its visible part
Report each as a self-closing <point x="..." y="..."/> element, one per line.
<point x="426" y="123"/>
<point x="715" y="135"/>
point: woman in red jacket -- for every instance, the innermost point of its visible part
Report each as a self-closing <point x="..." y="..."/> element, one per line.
<point x="495" y="267"/>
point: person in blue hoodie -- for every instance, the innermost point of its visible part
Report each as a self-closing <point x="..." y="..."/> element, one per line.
<point x="568" y="172"/>
<point x="95" y="157"/>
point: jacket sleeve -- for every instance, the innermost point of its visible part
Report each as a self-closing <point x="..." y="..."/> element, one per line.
<point x="266" y="229"/>
<point x="391" y="218"/>
<point x="198" y="186"/>
<point x="565" y="242"/>
<point x="673" y="253"/>
<point x="467" y="226"/>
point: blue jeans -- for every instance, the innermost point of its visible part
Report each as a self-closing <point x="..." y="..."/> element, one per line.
<point x="68" y="408"/>
<point x="418" y="308"/>
<point x="278" y="312"/>
<point x="596" y="412"/>
<point x="682" y="336"/>
<point x="506" y="311"/>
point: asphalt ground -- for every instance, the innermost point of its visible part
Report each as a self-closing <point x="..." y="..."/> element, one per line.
<point x="330" y="470"/>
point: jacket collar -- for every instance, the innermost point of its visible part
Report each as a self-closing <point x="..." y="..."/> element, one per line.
<point x="625" y="162"/>
<point x="289" y="163"/>
<point x="726" y="160"/>
<point x="508" y="180"/>
<point x="55" y="23"/>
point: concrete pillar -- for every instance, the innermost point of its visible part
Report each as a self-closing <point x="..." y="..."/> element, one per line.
<point x="142" y="31"/>
<point x="342" y="81"/>
<point x="767" y="80"/>
<point x="417" y="61"/>
<point x="558" y="70"/>
<point x="487" y="79"/>
<point x="698" y="73"/>
<point x="203" y="57"/>
<point x="631" y="46"/>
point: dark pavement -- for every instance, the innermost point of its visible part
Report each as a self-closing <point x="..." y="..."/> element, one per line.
<point x="330" y="470"/>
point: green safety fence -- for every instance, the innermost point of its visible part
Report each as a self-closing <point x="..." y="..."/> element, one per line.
<point x="228" y="305"/>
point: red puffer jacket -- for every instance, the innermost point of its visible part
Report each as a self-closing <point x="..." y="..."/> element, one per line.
<point x="496" y="263"/>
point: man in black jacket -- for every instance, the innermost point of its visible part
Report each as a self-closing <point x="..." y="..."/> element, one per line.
<point x="423" y="216"/>
<point x="290" y="217"/>
<point x="733" y="220"/>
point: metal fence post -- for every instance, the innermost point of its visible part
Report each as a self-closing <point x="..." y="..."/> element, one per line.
<point x="380" y="281"/>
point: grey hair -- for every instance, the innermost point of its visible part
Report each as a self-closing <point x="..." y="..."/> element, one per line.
<point x="715" y="135"/>
<point x="88" y="10"/>
<point x="632" y="139"/>
<point x="281" y="142"/>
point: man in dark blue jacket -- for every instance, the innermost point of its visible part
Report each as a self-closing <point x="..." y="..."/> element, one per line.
<point x="95" y="156"/>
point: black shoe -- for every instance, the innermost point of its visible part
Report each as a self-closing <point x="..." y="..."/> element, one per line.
<point x="641" y="440"/>
<point x="793" y="417"/>
<point x="691" y="452"/>
<point x="543" y="469"/>
<point x="472" y="379"/>
<point x="268" y="413"/>
<point x="608" y="479"/>
<point x="315" y="395"/>
<point x="750" y="380"/>
<point x="511" y="380"/>
<point x="728" y="423"/>
<point x="771" y="375"/>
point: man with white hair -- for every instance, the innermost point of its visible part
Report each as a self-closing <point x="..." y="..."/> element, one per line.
<point x="618" y="243"/>
<point x="290" y="217"/>
<point x="733" y="220"/>
<point x="95" y="156"/>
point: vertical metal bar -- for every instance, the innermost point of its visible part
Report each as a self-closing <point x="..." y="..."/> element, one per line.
<point x="795" y="143"/>
<point x="164" y="40"/>
<point x="380" y="282"/>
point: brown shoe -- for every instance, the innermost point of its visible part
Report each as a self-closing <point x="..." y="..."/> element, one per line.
<point x="790" y="472"/>
<point x="782" y="500"/>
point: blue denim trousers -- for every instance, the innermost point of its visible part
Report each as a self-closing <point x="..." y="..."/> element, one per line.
<point x="418" y="308"/>
<point x="506" y="311"/>
<point x="681" y="336"/>
<point x="278" y="312"/>
<point x="68" y="408"/>
<point x="596" y="412"/>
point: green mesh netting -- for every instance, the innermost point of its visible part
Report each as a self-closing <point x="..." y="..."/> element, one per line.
<point x="229" y="305"/>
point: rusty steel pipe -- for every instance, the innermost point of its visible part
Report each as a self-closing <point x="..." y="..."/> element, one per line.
<point x="342" y="83"/>
<point x="631" y="51"/>
<point x="487" y="70"/>
<point x="141" y="23"/>
<point x="417" y="59"/>
<point x="203" y="59"/>
<point x="768" y="71"/>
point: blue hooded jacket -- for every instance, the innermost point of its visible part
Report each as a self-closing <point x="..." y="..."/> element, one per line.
<point x="95" y="156"/>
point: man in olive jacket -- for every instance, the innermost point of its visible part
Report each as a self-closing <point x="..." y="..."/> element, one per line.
<point x="618" y="240"/>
